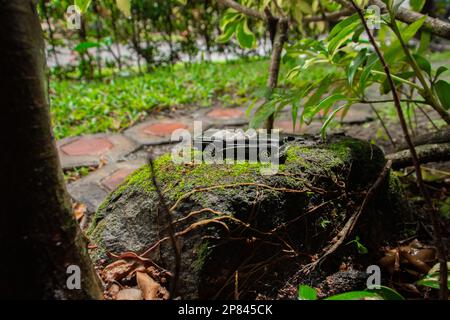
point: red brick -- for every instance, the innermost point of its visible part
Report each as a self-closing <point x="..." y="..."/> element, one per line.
<point x="226" y="113"/>
<point x="163" y="129"/>
<point x="87" y="146"/>
<point x="116" y="178"/>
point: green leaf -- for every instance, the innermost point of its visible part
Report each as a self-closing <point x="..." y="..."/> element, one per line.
<point x="371" y="62"/>
<point x="83" y="4"/>
<point x="417" y="5"/>
<point x="84" y="46"/>
<point x="327" y="122"/>
<point x="432" y="278"/>
<point x="412" y="29"/>
<point x="355" y="295"/>
<point x="355" y="64"/>
<point x="440" y="70"/>
<point x="387" y="293"/>
<point x="264" y="112"/>
<point x="442" y="88"/>
<point x="423" y="63"/>
<point x="386" y="87"/>
<point x="340" y="38"/>
<point x="425" y="38"/>
<point x="245" y="37"/>
<point x="230" y="28"/>
<point x="306" y="293"/>
<point x="407" y="33"/>
<point x="124" y="6"/>
<point x="229" y="17"/>
<point x="341" y="25"/>
<point x="323" y="87"/>
<point x="325" y="105"/>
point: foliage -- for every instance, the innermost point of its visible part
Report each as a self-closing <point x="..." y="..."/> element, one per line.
<point x="380" y="293"/>
<point x="114" y="104"/>
<point x="431" y="280"/>
<point x="347" y="50"/>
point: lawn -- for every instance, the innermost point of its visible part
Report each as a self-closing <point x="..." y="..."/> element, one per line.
<point x="80" y="107"/>
<point x="115" y="103"/>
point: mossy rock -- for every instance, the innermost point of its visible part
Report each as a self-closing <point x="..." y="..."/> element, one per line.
<point x="246" y="207"/>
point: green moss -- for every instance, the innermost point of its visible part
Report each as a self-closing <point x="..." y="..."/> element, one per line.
<point x="203" y="254"/>
<point x="178" y="179"/>
<point x="395" y="185"/>
<point x="96" y="237"/>
<point x="314" y="159"/>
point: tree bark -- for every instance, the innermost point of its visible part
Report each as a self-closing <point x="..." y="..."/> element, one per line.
<point x="280" y="37"/>
<point x="39" y="237"/>
<point x="441" y="136"/>
<point x="425" y="153"/>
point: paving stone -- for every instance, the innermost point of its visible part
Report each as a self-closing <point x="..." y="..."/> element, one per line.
<point x="90" y="147"/>
<point x="91" y="150"/>
<point x="164" y="129"/>
<point x="220" y="117"/>
<point x="154" y="131"/>
<point x="94" y="188"/>
<point x="286" y="127"/>
<point x="116" y="178"/>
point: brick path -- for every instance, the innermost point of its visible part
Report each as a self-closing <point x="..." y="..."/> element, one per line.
<point x="118" y="155"/>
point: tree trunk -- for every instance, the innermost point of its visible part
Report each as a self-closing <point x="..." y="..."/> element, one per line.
<point x="39" y="237"/>
<point x="278" y="36"/>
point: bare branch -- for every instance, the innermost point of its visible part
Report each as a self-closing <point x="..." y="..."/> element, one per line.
<point x="333" y="16"/>
<point x="436" y="26"/>
<point x="425" y="153"/>
<point x="242" y="9"/>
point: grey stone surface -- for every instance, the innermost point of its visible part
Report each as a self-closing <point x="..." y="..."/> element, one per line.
<point x="91" y="190"/>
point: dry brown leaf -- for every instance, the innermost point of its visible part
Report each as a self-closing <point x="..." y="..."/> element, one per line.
<point x="129" y="294"/>
<point x="79" y="210"/>
<point x="113" y="290"/>
<point x="118" y="270"/>
<point x="151" y="290"/>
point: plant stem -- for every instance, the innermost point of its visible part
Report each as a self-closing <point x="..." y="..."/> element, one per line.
<point x="437" y="234"/>
<point x="383" y="125"/>
<point x="429" y="96"/>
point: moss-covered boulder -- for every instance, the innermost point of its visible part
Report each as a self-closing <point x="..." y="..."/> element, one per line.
<point x="230" y="217"/>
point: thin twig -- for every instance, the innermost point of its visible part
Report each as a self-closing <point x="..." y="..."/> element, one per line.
<point x="383" y="124"/>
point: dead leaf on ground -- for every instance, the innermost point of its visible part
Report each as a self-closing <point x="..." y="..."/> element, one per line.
<point x="118" y="270"/>
<point x="129" y="294"/>
<point x="414" y="257"/>
<point x="113" y="290"/>
<point x="151" y="290"/>
<point x="79" y="210"/>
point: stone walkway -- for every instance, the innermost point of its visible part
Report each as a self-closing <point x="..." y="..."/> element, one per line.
<point x="118" y="155"/>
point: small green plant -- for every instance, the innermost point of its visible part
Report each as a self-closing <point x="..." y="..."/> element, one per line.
<point x="380" y="293"/>
<point x="431" y="280"/>
<point x="359" y="246"/>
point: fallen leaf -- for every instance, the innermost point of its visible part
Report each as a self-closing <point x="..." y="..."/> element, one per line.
<point x="79" y="210"/>
<point x="113" y="290"/>
<point x="151" y="290"/>
<point x="118" y="270"/>
<point x="129" y="294"/>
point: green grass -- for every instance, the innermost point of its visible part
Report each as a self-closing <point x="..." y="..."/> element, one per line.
<point x="113" y="104"/>
<point x="80" y="107"/>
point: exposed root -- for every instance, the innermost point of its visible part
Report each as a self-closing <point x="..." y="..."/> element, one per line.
<point x="337" y="241"/>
